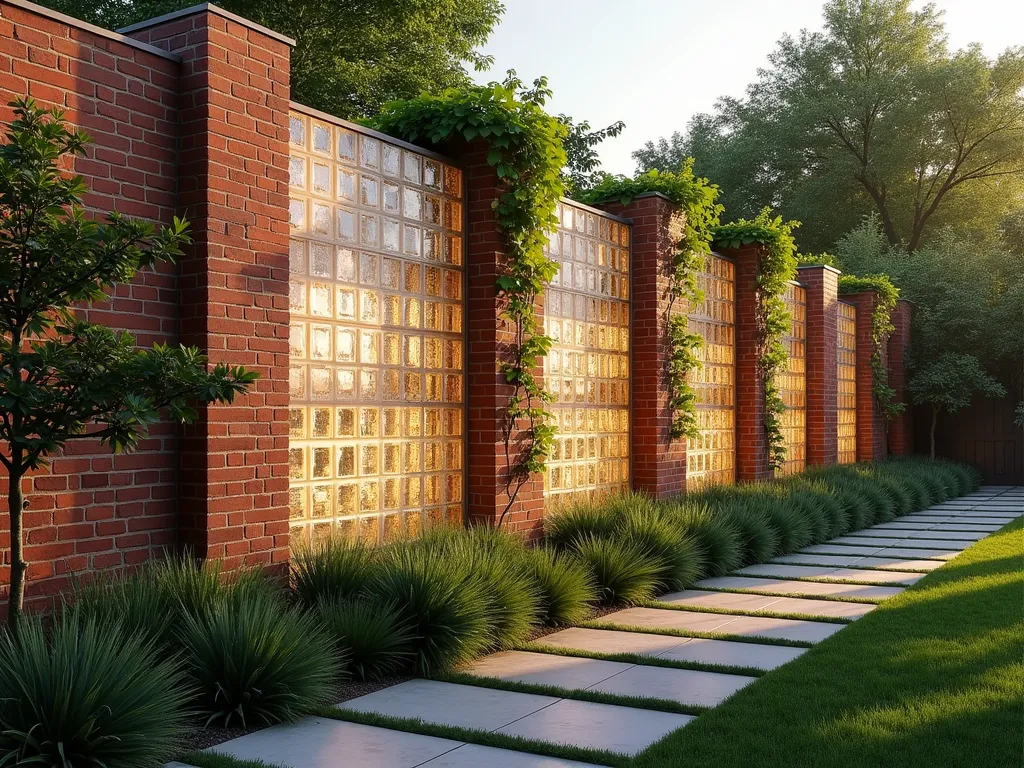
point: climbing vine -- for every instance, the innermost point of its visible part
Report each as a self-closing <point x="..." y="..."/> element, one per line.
<point x="524" y="146"/>
<point x="697" y="199"/>
<point x="776" y="267"/>
<point x="886" y="296"/>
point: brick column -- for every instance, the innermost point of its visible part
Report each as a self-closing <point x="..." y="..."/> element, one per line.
<point x="871" y="438"/>
<point x="233" y="188"/>
<point x="822" y="284"/>
<point x="659" y="462"/>
<point x="901" y="440"/>
<point x="489" y="338"/>
<point x="751" y="438"/>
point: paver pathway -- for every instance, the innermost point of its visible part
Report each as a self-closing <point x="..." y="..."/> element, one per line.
<point x="697" y="649"/>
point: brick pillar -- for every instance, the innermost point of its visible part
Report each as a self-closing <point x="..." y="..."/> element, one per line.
<point x="822" y="284"/>
<point x="871" y="437"/>
<point x="751" y="438"/>
<point x="901" y="432"/>
<point x="233" y="188"/>
<point x="489" y="338"/>
<point x="659" y="463"/>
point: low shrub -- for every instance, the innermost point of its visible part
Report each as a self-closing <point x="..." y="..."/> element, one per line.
<point x="88" y="693"/>
<point x="436" y="597"/>
<point x="716" y="536"/>
<point x="372" y="638"/>
<point x="566" y="586"/>
<point x="334" y="568"/>
<point x="253" y="661"/>
<point x="622" y="569"/>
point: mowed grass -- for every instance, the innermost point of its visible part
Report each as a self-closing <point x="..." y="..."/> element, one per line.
<point x="933" y="677"/>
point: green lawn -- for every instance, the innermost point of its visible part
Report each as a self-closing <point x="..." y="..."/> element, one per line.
<point x="932" y="678"/>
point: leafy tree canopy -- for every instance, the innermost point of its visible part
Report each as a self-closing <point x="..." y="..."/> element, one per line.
<point x="874" y="113"/>
<point x="351" y="56"/>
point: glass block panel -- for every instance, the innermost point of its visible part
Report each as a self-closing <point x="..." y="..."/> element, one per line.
<point x="587" y="368"/>
<point x="711" y="457"/>
<point x="377" y="364"/>
<point x="793" y="382"/>
<point x="846" y="373"/>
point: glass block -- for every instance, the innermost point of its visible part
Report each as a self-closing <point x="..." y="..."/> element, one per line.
<point x="413" y="315"/>
<point x="391" y="198"/>
<point x="346" y="383"/>
<point x="347" y="499"/>
<point x="369" y="496"/>
<point x="369" y="190"/>
<point x="346" y="185"/>
<point x="297" y="502"/>
<point x="431" y="174"/>
<point x="346" y="225"/>
<point x="297" y="172"/>
<point x="369" y="152"/>
<point x="346" y="422"/>
<point x="297" y="213"/>
<point x="392" y="309"/>
<point x="322" y="497"/>
<point x="432" y="248"/>
<point x="321" y="138"/>
<point x="345" y="345"/>
<point x="369" y="230"/>
<point x="412" y="204"/>
<point x="321" y="179"/>
<point x="320" y="342"/>
<point x="392" y="235"/>
<point x="432" y="209"/>
<point x="346" y="146"/>
<point x="370" y="307"/>
<point x="412" y="167"/>
<point x="321" y="300"/>
<point x="412" y="238"/>
<point x="346" y="265"/>
<point x="452" y="181"/>
<point x="297" y="463"/>
<point x="368" y="263"/>
<point x="297" y="130"/>
<point x="368" y="385"/>
<point x="391" y="159"/>
<point x="346" y="303"/>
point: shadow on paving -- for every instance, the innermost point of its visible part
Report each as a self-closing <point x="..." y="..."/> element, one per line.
<point x="932" y="678"/>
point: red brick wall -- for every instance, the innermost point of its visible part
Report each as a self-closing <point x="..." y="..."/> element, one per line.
<point x="822" y="318"/>
<point x="93" y="509"/>
<point x="871" y="438"/>
<point x="659" y="463"/>
<point x="234" y="282"/>
<point x="901" y="432"/>
<point x="489" y="337"/>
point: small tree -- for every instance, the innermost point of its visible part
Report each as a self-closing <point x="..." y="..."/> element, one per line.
<point x="61" y="378"/>
<point x="949" y="383"/>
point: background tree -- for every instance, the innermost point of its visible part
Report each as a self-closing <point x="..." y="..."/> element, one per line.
<point x="872" y="114"/>
<point x="583" y="164"/>
<point x="63" y="379"/>
<point x="351" y="56"/>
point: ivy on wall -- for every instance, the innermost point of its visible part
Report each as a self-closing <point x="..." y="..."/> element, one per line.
<point x="886" y="296"/>
<point x="696" y="197"/>
<point x="776" y="267"/>
<point x="524" y="146"/>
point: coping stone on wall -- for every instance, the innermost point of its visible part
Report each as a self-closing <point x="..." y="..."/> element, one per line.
<point x="94" y="29"/>
<point x="211" y="8"/>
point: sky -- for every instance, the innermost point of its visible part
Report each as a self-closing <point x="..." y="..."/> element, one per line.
<point x="656" y="63"/>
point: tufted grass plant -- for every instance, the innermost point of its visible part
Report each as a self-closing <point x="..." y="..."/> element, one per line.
<point x="581" y="519"/>
<point x="254" y="661"/>
<point x="716" y="536"/>
<point x="623" y="570"/>
<point x="88" y="693"/>
<point x="566" y="586"/>
<point x="371" y="638"/>
<point x="335" y="568"/>
<point x="666" y="543"/>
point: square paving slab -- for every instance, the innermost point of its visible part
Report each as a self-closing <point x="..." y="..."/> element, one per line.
<point x="946" y="535"/>
<point x="897" y="563"/>
<point x="781" y="629"/>
<point x="477" y="756"/>
<point x="654" y="618"/>
<point x="730" y="601"/>
<point x="938" y="554"/>
<point x="801" y="558"/>
<point x="786" y="571"/>
<point x="687" y="686"/>
<point x="466" y="706"/>
<point x="876" y="576"/>
<point x="732" y="654"/>
<point x="793" y="587"/>
<point x="546" y="669"/>
<point x="774" y="604"/>
<point x="840" y="549"/>
<point x="598" y="726"/>
<point x="611" y="641"/>
<point x="319" y="742"/>
<point x="825" y="609"/>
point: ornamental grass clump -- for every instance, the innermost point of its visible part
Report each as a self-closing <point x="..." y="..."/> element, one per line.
<point x="903" y="504"/>
<point x="716" y="535"/>
<point x="642" y="522"/>
<point x="254" y="661"/>
<point x="583" y="519"/>
<point x="372" y="638"/>
<point x="88" y="693"/>
<point x="436" y="595"/>
<point x="760" y="539"/>
<point x="566" y="586"/>
<point x="334" y="568"/>
<point x="623" y="570"/>
<point x="814" y="506"/>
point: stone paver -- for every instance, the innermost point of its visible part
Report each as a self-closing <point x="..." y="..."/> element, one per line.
<point x="545" y="669"/>
<point x="611" y="641"/>
<point x="841" y="549"/>
<point x="782" y="629"/>
<point x="732" y="654"/>
<point x="319" y="742"/>
<point x="938" y="554"/>
<point x="476" y="756"/>
<point x="794" y="587"/>
<point x="773" y="604"/>
<point x="802" y="558"/>
<point x="686" y="686"/>
<point x="654" y="618"/>
<point x="465" y="706"/>
<point x="828" y="573"/>
<point x="597" y="726"/>
<point x="898" y="563"/>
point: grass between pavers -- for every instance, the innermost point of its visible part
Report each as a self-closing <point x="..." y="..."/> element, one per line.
<point x="475" y="736"/>
<point x="801" y="595"/>
<point x="577" y="694"/>
<point x="823" y="580"/>
<point x="214" y="760"/>
<point x="642" y="660"/>
<point x="740" y="612"/>
<point x="860" y="567"/>
<point x="933" y="677"/>
<point x="758" y="639"/>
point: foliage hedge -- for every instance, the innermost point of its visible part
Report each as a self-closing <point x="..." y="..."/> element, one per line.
<point x="178" y="645"/>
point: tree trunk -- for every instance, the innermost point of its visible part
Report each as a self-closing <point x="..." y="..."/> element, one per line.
<point x="15" y="506"/>
<point x="935" y="421"/>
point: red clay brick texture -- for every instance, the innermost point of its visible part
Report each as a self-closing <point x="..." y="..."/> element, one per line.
<point x="233" y="185"/>
<point x="822" y="284"/>
<point x="93" y="510"/>
<point x="871" y="438"/>
<point x="751" y="438"/>
<point x="901" y="429"/>
<point x="489" y="339"/>
<point x="659" y="463"/>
